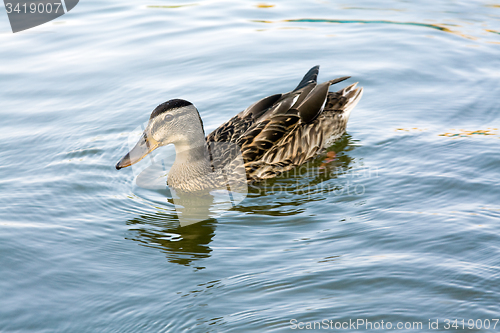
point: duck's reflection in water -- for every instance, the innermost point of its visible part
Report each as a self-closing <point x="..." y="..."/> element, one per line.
<point x="182" y="245"/>
<point x="283" y="196"/>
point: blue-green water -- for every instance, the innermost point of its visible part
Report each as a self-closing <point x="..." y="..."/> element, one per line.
<point x="407" y="228"/>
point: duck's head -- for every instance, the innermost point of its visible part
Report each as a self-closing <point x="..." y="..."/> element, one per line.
<point x="176" y="121"/>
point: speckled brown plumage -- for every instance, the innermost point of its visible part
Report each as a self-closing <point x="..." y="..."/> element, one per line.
<point x="283" y="131"/>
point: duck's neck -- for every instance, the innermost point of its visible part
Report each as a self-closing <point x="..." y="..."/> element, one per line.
<point x="192" y="166"/>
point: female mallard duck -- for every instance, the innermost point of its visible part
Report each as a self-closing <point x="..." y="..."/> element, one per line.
<point x="273" y="135"/>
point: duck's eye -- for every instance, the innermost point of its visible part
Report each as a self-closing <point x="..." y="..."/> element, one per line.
<point x="169" y="117"/>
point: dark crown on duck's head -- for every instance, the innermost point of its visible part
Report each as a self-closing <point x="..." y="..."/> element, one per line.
<point x="170" y="105"/>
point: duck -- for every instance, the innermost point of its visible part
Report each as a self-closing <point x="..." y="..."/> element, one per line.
<point x="271" y="136"/>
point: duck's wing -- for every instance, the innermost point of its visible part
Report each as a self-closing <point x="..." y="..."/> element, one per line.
<point x="231" y="130"/>
<point x="286" y="140"/>
<point x="279" y="131"/>
<point x="247" y="120"/>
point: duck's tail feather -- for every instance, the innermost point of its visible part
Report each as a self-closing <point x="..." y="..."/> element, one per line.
<point x="344" y="100"/>
<point x="353" y="96"/>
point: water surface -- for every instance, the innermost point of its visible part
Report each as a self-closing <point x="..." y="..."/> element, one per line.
<point x="403" y="226"/>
